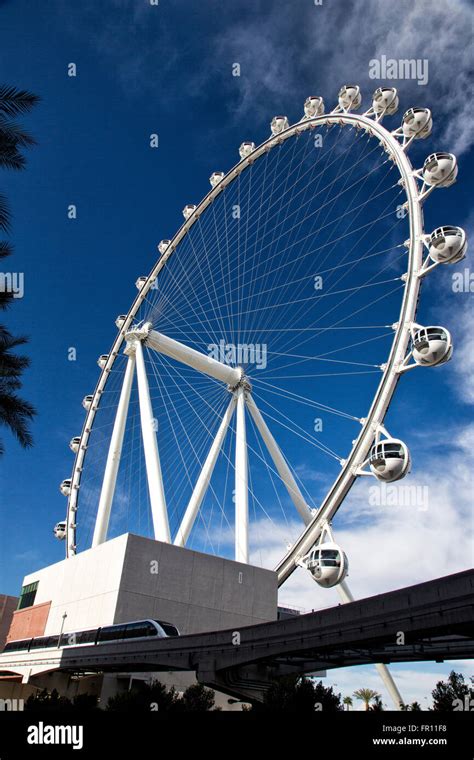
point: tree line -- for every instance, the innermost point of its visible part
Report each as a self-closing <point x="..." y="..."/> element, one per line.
<point x="289" y="694"/>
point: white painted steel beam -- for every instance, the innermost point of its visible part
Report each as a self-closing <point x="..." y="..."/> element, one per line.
<point x="152" y="458"/>
<point x="113" y="457"/>
<point x="280" y="463"/>
<point x="385" y="675"/>
<point x="241" y="483"/>
<point x="192" y="358"/>
<point x="204" y="478"/>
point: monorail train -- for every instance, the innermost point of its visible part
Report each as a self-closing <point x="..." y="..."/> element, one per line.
<point x="139" y="629"/>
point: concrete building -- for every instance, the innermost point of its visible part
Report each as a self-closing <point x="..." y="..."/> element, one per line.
<point x="131" y="578"/>
<point x="8" y="605"/>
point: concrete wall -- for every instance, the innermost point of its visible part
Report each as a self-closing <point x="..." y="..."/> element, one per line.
<point x="131" y="577"/>
<point x="195" y="591"/>
<point x="85" y="587"/>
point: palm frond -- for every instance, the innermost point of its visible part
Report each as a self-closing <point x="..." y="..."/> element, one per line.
<point x="6" y="249"/>
<point x="14" y="101"/>
<point x="9" y="341"/>
<point x="6" y="298"/>
<point x="5" y="215"/>
<point x="10" y="158"/>
<point x="9" y="384"/>
<point x="13" y="133"/>
<point x="16" y="414"/>
<point x="12" y="365"/>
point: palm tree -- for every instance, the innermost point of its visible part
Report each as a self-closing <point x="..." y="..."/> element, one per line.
<point x="377" y="705"/>
<point x="5" y="295"/>
<point x="348" y="701"/>
<point x="15" y="413"/>
<point x="366" y="696"/>
<point x="13" y="138"/>
<point x="4" y="214"/>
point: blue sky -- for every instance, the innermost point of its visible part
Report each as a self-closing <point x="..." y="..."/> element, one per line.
<point x="143" y="69"/>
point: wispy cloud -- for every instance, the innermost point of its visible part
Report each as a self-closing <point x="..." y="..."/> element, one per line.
<point x="388" y="546"/>
<point x="323" y="47"/>
<point x="286" y="51"/>
<point x="391" y="547"/>
<point x="463" y="367"/>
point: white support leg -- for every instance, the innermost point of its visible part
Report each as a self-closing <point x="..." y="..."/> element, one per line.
<point x="152" y="457"/>
<point x="204" y="478"/>
<point x="192" y="358"/>
<point x="279" y="461"/>
<point x="241" y="483"/>
<point x="113" y="457"/>
<point x="383" y="671"/>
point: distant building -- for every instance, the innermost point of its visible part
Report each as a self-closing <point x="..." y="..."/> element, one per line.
<point x="284" y="613"/>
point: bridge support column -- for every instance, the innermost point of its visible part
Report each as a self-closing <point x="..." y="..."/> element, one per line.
<point x="382" y="669"/>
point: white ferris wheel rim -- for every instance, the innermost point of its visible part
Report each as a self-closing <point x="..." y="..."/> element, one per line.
<point x="387" y="385"/>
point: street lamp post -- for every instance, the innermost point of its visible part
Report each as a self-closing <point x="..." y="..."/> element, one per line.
<point x="62" y="628"/>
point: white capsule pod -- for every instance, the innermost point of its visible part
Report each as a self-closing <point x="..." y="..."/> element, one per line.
<point x="140" y="282"/>
<point x="59" y="530"/>
<point x="120" y="321"/>
<point x="189" y="210"/>
<point x="385" y="100"/>
<point x="349" y="97"/>
<point x="440" y="170"/>
<point x="327" y="564"/>
<point x="432" y="346"/>
<point x="278" y="124"/>
<point x="65" y="487"/>
<point x="389" y="459"/>
<point x="74" y="443"/>
<point x="87" y="402"/>
<point x="447" y="245"/>
<point x="313" y="106"/>
<point x="216" y="177"/>
<point x="163" y="245"/>
<point x="246" y="149"/>
<point x="102" y="360"/>
<point x="417" y="123"/>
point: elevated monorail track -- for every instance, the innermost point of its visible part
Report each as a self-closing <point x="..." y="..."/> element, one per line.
<point x="433" y="620"/>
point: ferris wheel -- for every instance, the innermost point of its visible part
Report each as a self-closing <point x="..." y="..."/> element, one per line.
<point x="290" y="290"/>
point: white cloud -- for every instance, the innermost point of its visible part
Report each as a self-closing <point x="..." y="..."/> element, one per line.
<point x="284" y="47"/>
<point x="462" y="369"/>
<point x="458" y="314"/>
<point x="326" y="46"/>
<point x="390" y="547"/>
